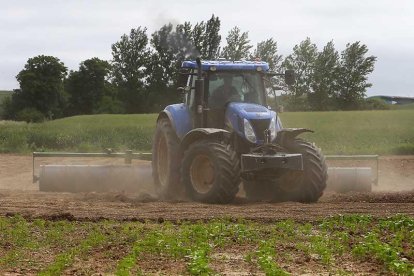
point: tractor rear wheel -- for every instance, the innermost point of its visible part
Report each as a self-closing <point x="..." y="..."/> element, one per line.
<point x="166" y="160"/>
<point x="211" y="172"/>
<point x="303" y="186"/>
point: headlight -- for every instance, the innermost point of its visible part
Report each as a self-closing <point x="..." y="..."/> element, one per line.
<point x="272" y="129"/>
<point x="249" y="132"/>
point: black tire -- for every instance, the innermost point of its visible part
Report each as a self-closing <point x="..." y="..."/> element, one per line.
<point x="166" y="160"/>
<point x="303" y="186"/>
<point x="211" y="172"/>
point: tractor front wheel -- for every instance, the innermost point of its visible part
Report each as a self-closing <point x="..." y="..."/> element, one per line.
<point x="303" y="186"/>
<point x="211" y="172"/>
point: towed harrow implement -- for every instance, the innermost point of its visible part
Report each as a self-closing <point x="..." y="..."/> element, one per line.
<point x="119" y="177"/>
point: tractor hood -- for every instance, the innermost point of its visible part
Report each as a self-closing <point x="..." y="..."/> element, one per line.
<point x="258" y="116"/>
<point x="249" y="111"/>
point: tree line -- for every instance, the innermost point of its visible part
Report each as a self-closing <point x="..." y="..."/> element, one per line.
<point x="143" y="74"/>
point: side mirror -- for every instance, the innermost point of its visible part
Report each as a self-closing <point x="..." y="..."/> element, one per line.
<point x="290" y="77"/>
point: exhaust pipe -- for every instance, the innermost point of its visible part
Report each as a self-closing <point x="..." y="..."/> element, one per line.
<point x="198" y="108"/>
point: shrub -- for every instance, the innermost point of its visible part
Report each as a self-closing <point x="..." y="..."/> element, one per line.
<point x="5" y="106"/>
<point x="30" y="115"/>
<point x="374" y="104"/>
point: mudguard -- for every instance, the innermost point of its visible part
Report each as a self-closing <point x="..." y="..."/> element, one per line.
<point x="203" y="133"/>
<point x="286" y="134"/>
<point x="179" y="117"/>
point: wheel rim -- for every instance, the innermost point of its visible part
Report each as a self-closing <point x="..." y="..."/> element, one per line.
<point x="202" y="174"/>
<point x="162" y="161"/>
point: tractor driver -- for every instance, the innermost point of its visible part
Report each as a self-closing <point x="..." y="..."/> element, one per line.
<point x="224" y="93"/>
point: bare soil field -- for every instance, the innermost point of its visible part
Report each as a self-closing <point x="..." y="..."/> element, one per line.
<point x="18" y="195"/>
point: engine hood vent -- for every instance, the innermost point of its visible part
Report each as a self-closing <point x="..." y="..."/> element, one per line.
<point x="249" y="111"/>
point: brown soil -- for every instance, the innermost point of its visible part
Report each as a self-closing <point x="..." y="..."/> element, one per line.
<point x="18" y="195"/>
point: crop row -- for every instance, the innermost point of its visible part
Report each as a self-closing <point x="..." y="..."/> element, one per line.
<point x="200" y="248"/>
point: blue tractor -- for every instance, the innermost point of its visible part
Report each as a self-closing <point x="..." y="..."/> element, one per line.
<point x="224" y="134"/>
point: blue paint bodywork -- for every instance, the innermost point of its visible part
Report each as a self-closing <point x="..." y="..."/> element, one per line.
<point x="181" y="118"/>
<point x="236" y="112"/>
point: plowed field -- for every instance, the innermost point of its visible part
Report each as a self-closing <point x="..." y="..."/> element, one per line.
<point x="18" y="195"/>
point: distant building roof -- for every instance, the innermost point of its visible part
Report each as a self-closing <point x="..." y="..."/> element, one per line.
<point x="394" y="99"/>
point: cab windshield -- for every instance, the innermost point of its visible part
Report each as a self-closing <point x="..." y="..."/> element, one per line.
<point x="225" y="87"/>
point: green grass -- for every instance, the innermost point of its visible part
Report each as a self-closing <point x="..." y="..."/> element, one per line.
<point x="80" y="134"/>
<point x="281" y="248"/>
<point x="404" y="106"/>
<point x="358" y="132"/>
<point x="352" y="132"/>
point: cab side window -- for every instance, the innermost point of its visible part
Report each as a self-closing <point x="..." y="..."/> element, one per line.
<point x="190" y="95"/>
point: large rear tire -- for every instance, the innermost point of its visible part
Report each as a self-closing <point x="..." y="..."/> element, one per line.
<point x="303" y="186"/>
<point x="211" y="172"/>
<point x="166" y="160"/>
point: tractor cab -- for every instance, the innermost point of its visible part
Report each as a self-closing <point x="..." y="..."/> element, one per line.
<point x="226" y="82"/>
<point x="240" y="85"/>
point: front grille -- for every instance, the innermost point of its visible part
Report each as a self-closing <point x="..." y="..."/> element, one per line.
<point x="259" y="126"/>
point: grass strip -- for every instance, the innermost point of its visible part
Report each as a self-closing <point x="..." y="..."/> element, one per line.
<point x="351" y="132"/>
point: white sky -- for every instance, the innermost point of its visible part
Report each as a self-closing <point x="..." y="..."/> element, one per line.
<point x="76" y="30"/>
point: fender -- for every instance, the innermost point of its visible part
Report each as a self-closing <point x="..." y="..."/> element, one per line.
<point x="203" y="133"/>
<point x="286" y="134"/>
<point x="179" y="117"/>
<point x="165" y="114"/>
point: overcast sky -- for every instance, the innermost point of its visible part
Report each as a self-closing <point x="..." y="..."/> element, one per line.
<point x="75" y="30"/>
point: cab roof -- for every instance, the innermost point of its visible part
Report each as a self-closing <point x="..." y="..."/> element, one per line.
<point x="221" y="65"/>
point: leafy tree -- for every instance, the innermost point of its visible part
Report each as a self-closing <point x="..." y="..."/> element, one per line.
<point x="238" y="46"/>
<point x="354" y="70"/>
<point x="324" y="81"/>
<point x="197" y="36"/>
<point x="7" y="111"/>
<point x="267" y="51"/>
<point x="162" y="59"/>
<point x="302" y="61"/>
<point x="87" y="86"/>
<point x="41" y="87"/>
<point x="109" y="103"/>
<point x="30" y="115"/>
<point x="171" y="47"/>
<point x="212" y="39"/>
<point x="130" y="59"/>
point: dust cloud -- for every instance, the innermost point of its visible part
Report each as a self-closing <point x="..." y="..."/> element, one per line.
<point x="396" y="175"/>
